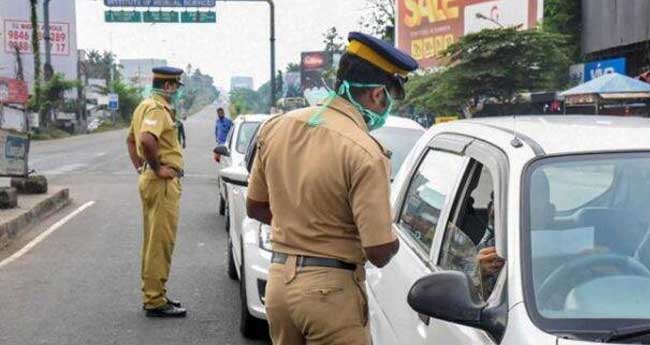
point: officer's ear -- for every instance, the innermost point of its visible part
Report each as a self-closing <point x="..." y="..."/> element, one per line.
<point x="378" y="96"/>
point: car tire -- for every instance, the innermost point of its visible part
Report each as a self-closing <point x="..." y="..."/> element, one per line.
<point x="249" y="326"/>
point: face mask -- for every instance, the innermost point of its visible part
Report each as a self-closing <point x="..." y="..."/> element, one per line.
<point x="373" y="119"/>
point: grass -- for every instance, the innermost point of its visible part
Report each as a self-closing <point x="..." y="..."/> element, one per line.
<point x="50" y="134"/>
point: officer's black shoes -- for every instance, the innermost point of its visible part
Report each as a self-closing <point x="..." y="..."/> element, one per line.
<point x="175" y="303"/>
<point x="167" y="310"/>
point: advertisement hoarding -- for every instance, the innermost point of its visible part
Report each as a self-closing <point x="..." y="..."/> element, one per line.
<point x="583" y="72"/>
<point x="16" y="31"/>
<point x="426" y="28"/>
<point x="13" y="91"/>
<point x="312" y="67"/>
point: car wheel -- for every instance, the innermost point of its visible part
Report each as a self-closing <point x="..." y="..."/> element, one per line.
<point x="249" y="326"/>
<point x="232" y="269"/>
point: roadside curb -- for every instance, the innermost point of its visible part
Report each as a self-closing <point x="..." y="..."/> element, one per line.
<point x="14" y="226"/>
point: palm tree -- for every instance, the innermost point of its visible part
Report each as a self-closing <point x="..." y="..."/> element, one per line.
<point x="35" y="47"/>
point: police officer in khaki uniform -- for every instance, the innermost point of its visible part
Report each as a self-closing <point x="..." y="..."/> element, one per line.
<point x="156" y="154"/>
<point x="323" y="183"/>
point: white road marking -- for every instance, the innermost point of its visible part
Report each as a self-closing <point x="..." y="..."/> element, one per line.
<point x="44" y="235"/>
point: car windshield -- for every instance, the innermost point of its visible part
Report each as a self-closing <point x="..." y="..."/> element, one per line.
<point x="588" y="247"/>
<point x="399" y="141"/>
<point x="246" y="132"/>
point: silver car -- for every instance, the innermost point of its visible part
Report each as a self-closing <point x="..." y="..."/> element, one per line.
<point x="564" y="201"/>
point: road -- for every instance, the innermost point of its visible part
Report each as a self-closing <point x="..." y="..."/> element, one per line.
<point x="81" y="285"/>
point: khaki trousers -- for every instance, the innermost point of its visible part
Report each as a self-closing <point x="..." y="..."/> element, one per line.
<point x="160" y="204"/>
<point x="316" y="305"/>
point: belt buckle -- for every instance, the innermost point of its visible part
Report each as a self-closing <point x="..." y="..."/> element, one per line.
<point x="300" y="261"/>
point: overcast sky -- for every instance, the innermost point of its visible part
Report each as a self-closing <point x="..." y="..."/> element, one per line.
<point x="237" y="45"/>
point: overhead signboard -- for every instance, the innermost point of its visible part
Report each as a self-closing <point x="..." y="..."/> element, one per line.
<point x="14" y="148"/>
<point x="13" y="91"/>
<point x="160" y="3"/>
<point x="426" y="28"/>
<point x="160" y="17"/>
<point x="123" y="16"/>
<point x="199" y="17"/>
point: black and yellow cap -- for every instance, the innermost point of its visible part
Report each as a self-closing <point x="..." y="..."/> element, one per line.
<point x="168" y="73"/>
<point x="381" y="54"/>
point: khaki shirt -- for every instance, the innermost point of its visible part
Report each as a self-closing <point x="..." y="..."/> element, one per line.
<point x="154" y="116"/>
<point x="328" y="186"/>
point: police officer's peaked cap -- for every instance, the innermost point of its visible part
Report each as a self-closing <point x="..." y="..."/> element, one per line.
<point x="381" y="54"/>
<point x="168" y="73"/>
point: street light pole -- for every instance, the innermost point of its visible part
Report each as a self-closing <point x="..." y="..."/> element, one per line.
<point x="272" y="39"/>
<point x="484" y="17"/>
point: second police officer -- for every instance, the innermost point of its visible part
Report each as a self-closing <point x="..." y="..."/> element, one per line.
<point x="323" y="183"/>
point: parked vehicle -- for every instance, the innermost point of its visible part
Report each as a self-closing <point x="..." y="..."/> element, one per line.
<point x="233" y="151"/>
<point x="250" y="249"/>
<point x="571" y="219"/>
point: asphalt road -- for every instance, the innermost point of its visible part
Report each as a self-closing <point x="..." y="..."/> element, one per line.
<point x="81" y="285"/>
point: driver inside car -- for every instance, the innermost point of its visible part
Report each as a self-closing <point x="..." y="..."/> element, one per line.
<point x="489" y="262"/>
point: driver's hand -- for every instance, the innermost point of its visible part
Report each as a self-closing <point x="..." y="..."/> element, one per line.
<point x="216" y="157"/>
<point x="489" y="262"/>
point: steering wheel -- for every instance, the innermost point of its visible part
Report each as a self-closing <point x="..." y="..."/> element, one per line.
<point x="559" y="283"/>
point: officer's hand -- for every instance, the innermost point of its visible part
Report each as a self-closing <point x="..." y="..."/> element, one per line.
<point x="166" y="172"/>
<point x="489" y="261"/>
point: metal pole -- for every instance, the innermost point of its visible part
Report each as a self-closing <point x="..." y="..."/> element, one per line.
<point x="272" y="14"/>
<point x="48" y="44"/>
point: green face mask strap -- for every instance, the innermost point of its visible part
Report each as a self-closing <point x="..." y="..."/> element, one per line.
<point x="373" y="120"/>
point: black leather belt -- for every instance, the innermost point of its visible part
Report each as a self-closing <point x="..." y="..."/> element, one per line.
<point x="304" y="261"/>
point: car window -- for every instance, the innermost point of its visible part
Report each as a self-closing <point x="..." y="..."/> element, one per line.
<point x="246" y="132"/>
<point x="579" y="257"/>
<point x="399" y="141"/>
<point x="426" y="196"/>
<point x="472" y="230"/>
<point x="587" y="184"/>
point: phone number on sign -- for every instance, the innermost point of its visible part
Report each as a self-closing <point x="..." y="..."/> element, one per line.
<point x="19" y="35"/>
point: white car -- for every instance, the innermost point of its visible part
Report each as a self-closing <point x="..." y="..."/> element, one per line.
<point x="233" y="151"/>
<point x="250" y="253"/>
<point x="571" y="201"/>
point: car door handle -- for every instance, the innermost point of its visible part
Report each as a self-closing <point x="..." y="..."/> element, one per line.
<point x="425" y="319"/>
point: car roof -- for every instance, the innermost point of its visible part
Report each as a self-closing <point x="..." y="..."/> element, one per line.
<point x="402" y="122"/>
<point x="252" y="117"/>
<point x="558" y="134"/>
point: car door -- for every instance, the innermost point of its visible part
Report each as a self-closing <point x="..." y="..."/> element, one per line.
<point x="426" y="199"/>
<point x="475" y="217"/>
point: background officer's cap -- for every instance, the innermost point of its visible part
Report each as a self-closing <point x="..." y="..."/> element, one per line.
<point x="168" y="73"/>
<point x="381" y="54"/>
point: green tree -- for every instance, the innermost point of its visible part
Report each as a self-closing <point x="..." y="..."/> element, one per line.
<point x="333" y="41"/>
<point x="380" y="19"/>
<point x="292" y="67"/>
<point x="129" y="96"/>
<point x="565" y="17"/>
<point x="50" y="96"/>
<point x="245" y="101"/>
<point x="491" y="65"/>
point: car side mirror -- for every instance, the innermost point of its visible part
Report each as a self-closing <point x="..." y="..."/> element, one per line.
<point x="222" y="150"/>
<point x="236" y="175"/>
<point x="448" y="295"/>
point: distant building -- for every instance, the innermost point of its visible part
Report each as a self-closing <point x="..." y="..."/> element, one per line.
<point x="241" y="82"/>
<point x="137" y="72"/>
